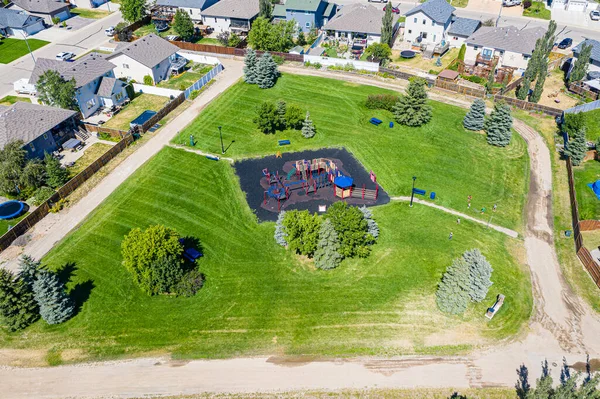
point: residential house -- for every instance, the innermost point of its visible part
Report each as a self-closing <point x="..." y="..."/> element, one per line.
<point x="594" y="57"/>
<point x="506" y="46"/>
<point x="43" y="129"/>
<point x="359" y="21"/>
<point x="46" y="9"/>
<point x="193" y="7"/>
<point x="428" y="23"/>
<point x="150" y="55"/>
<point x="89" y="73"/>
<point x="19" y="23"/>
<point x="231" y="15"/>
<point x="308" y="14"/>
<point x="87" y="3"/>
<point x="460" y="30"/>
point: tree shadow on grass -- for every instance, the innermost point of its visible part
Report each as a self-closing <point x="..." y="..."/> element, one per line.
<point x="191" y="242"/>
<point x="81" y="292"/>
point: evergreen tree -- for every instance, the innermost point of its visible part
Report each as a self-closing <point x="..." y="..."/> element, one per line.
<point x="327" y="255"/>
<point x="475" y="118"/>
<point x="301" y="40"/>
<point x="267" y="72"/>
<point x="308" y="129"/>
<point x="480" y="272"/>
<point x="538" y="89"/>
<point x="452" y="295"/>
<point x="498" y="126"/>
<point x="280" y="111"/>
<point x="522" y="386"/>
<point x="28" y="270"/>
<point x="372" y="224"/>
<point x="17" y="306"/>
<point x="250" y="67"/>
<point x="280" y="234"/>
<point x="55" y="305"/>
<point x="56" y="175"/>
<point x="412" y="108"/>
<point x="576" y="147"/>
<point x="581" y="64"/>
<point x="525" y="86"/>
<point x="386" y="25"/>
<point x="543" y="386"/>
<point x="489" y="85"/>
<point x="265" y="9"/>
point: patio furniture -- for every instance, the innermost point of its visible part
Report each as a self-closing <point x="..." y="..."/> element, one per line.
<point x="375" y="121"/>
<point x="284" y="142"/>
<point x="72" y="144"/>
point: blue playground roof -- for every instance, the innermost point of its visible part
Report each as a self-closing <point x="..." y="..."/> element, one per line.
<point x="143" y="118"/>
<point x="343" y="181"/>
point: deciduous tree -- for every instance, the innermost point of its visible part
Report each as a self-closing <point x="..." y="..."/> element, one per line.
<point x="49" y="292"/>
<point x="581" y="64"/>
<point x="266" y="117"/>
<point x="475" y="118"/>
<point x="54" y="90"/>
<point x="412" y="108"/>
<point x="302" y="231"/>
<point x="133" y="10"/>
<point x="294" y="117"/>
<point x="33" y="174"/>
<point x="352" y="229"/>
<point x="498" y="126"/>
<point x="327" y="255"/>
<point x="12" y="161"/>
<point x="386" y="25"/>
<point x="183" y="25"/>
<point x="379" y="51"/>
<point x="265" y="9"/>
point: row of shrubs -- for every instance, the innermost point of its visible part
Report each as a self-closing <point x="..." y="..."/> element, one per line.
<point x="381" y="101"/>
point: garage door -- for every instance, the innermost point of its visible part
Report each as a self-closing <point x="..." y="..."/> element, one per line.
<point x="63" y="15"/>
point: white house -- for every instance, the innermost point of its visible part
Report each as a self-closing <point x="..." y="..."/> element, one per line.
<point x="89" y="73"/>
<point x="460" y="30"/>
<point x="512" y="46"/>
<point x="194" y="8"/>
<point x="46" y="9"/>
<point x="428" y="22"/>
<point x="231" y="15"/>
<point x="19" y="23"/>
<point x="359" y="21"/>
<point x="150" y="55"/>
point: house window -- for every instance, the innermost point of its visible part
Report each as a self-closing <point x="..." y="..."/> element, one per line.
<point x="415" y="21"/>
<point x="410" y="31"/>
<point x="191" y="11"/>
<point x="215" y="20"/>
<point x="119" y="96"/>
<point x="157" y="66"/>
<point x="525" y="57"/>
<point x="45" y="136"/>
<point x="424" y="22"/>
<point x="306" y="13"/>
<point x="475" y="47"/>
<point x="125" y="66"/>
<point x="90" y="103"/>
<point x="308" y="24"/>
<point x="32" y="146"/>
<point x="432" y="23"/>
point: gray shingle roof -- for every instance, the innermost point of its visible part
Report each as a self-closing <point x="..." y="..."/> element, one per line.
<point x="303" y="5"/>
<point x="595" y="49"/>
<point x="360" y="18"/>
<point x="464" y="26"/>
<point x="16" y="18"/>
<point x="107" y="85"/>
<point x="507" y="38"/>
<point x="26" y="122"/>
<point x="242" y="9"/>
<point x="149" y="50"/>
<point x="41" y="6"/>
<point x="84" y="70"/>
<point x="200" y="4"/>
<point x="438" y="10"/>
<point x="279" y="11"/>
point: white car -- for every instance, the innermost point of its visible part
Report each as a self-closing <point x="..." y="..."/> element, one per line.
<point x="595" y="15"/>
<point x="110" y="31"/>
<point x="510" y="3"/>
<point x="64" y="56"/>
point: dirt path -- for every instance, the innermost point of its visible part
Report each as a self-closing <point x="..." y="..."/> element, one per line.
<point x="562" y="325"/>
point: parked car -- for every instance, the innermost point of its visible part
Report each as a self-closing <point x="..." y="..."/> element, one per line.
<point x="395" y="10"/>
<point x="65" y="56"/>
<point x="110" y="31"/>
<point x="565" y="43"/>
<point x="511" y="3"/>
<point x="595" y="15"/>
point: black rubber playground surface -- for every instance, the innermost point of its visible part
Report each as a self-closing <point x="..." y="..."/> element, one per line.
<point x="253" y="183"/>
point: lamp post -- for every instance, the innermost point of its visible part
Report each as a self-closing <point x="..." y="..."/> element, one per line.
<point x="221" y="135"/>
<point x="412" y="193"/>
<point x="28" y="48"/>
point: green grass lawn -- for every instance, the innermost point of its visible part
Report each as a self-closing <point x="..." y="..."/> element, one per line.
<point x="260" y="299"/>
<point x="537" y="10"/>
<point x="459" y="3"/>
<point x="12" y="49"/>
<point x="11" y="222"/>
<point x="91" y="14"/>
<point x="589" y="205"/>
<point x="592" y="120"/>
<point x="10" y="100"/>
<point x="210" y="41"/>
<point x="139" y="104"/>
<point x="444" y="156"/>
<point x="186" y="79"/>
<point x="89" y="156"/>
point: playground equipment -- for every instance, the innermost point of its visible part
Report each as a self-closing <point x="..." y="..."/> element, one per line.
<point x="11" y="209"/>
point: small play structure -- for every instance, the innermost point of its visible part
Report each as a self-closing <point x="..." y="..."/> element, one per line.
<point x="595" y="186"/>
<point x="408" y="54"/>
<point x="11" y="209"/>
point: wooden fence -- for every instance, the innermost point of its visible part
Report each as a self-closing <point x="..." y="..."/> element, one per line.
<point x="582" y="252"/>
<point x="528" y="106"/>
<point x="512" y="85"/>
<point x="106" y="130"/>
<point x="39" y="213"/>
<point x="405" y="75"/>
<point x="460" y="88"/>
<point x="170" y="106"/>
<point x="580" y="89"/>
<point x="240" y="52"/>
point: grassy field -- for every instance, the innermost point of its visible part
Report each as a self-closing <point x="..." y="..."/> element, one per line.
<point x="186" y="79"/>
<point x="10" y="100"/>
<point x="139" y="104"/>
<point x="589" y="205"/>
<point x="89" y="156"/>
<point x="444" y="156"/>
<point x="258" y="298"/>
<point x="537" y="10"/>
<point x="592" y="132"/>
<point x="11" y="222"/>
<point x="12" y="49"/>
<point x="91" y="14"/>
<point x="210" y="41"/>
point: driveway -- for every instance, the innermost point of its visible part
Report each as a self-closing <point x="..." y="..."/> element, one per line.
<point x="564" y="17"/>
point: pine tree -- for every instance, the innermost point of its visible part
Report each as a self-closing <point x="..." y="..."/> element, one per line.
<point x="267" y="72"/>
<point x="498" y="126"/>
<point x="17" y="306"/>
<point x="372" y="224"/>
<point x="55" y="305"/>
<point x="576" y="147"/>
<point x="386" y="26"/>
<point x="280" y="233"/>
<point x="412" y="108"/>
<point x="308" y="129"/>
<point x="280" y="112"/>
<point x="327" y="255"/>
<point x="475" y="118"/>
<point x="581" y="64"/>
<point x="28" y="270"/>
<point x="480" y="272"/>
<point x="250" y="67"/>
<point x="452" y="295"/>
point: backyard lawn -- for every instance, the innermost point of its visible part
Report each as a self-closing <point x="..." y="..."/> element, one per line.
<point x="259" y="299"/>
<point x="90" y="14"/>
<point x="186" y="79"/>
<point x="10" y="100"/>
<point x="11" y="222"/>
<point x="424" y="64"/>
<point x="12" y="49"/>
<point x="592" y="119"/>
<point x="89" y="156"/>
<point x="139" y="104"/>
<point x="589" y="205"/>
<point x="446" y="158"/>
<point x="537" y="10"/>
<point x="210" y="41"/>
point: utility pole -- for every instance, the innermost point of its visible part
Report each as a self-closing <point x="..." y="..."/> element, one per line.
<point x="221" y="135"/>
<point x="28" y="48"/>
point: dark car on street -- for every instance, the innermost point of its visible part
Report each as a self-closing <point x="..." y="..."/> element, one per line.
<point x="565" y="43"/>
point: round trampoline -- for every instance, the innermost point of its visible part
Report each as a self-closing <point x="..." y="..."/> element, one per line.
<point x="408" y="54"/>
<point x="11" y="209"/>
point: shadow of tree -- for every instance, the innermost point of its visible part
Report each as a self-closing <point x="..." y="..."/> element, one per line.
<point x="191" y="242"/>
<point x="81" y="292"/>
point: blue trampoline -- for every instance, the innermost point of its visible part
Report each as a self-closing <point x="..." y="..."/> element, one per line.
<point x="11" y="209"/>
<point x="143" y="118"/>
<point x="595" y="186"/>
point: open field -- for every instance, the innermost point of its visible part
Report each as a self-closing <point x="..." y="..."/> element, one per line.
<point x="537" y="10"/>
<point x="10" y="100"/>
<point x="12" y="49"/>
<point x="444" y="156"/>
<point x="258" y="298"/>
<point x="139" y="104"/>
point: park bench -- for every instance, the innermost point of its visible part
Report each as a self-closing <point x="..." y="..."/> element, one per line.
<point x="494" y="309"/>
<point x="375" y="121"/>
<point x="284" y="142"/>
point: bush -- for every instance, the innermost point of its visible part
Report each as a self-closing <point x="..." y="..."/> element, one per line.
<point x="317" y="65"/>
<point x="302" y="230"/>
<point x="59" y="205"/>
<point x="194" y="94"/>
<point x="148" y="81"/>
<point x="56" y="175"/>
<point x="55" y="20"/>
<point x="433" y="72"/>
<point x="294" y="117"/>
<point x="278" y="59"/>
<point x="182" y="87"/>
<point x="352" y="229"/>
<point x="476" y="79"/>
<point x="527" y="4"/>
<point x="165" y="274"/>
<point x="381" y="101"/>
<point x="190" y="284"/>
<point x="41" y="195"/>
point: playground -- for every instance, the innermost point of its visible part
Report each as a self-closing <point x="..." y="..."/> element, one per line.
<point x="308" y="180"/>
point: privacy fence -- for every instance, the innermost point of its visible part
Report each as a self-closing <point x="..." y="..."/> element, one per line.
<point x="460" y="88"/>
<point x="582" y="225"/>
<point x="239" y="52"/>
<point x="104" y="130"/>
<point x="203" y="81"/>
<point x="39" y="213"/>
<point x="528" y="106"/>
